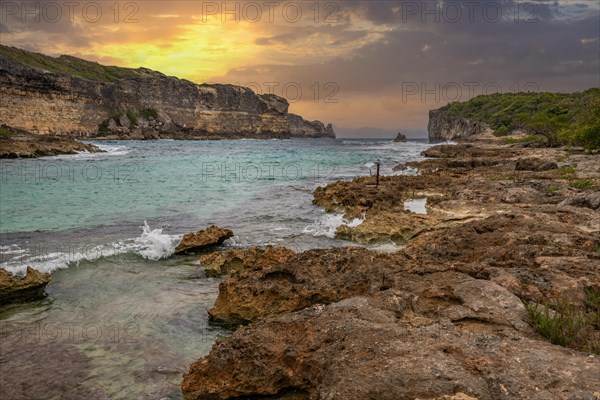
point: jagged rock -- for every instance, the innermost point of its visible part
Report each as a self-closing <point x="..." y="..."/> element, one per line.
<point x="446" y="127"/>
<point x="315" y="276"/>
<point x="447" y="336"/>
<point x="30" y="287"/>
<point x="223" y="263"/>
<point x="201" y="240"/>
<point x="400" y="137"/>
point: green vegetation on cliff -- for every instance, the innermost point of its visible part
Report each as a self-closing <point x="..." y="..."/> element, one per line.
<point x="74" y="66"/>
<point x="561" y="118"/>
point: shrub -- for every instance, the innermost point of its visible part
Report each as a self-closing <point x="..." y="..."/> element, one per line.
<point x="132" y="117"/>
<point x="502" y="131"/>
<point x="103" y="126"/>
<point x="5" y="132"/>
<point x="148" y="112"/>
<point x="582" y="184"/>
<point x="568" y="325"/>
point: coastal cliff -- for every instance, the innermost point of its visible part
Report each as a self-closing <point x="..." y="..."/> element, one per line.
<point x="443" y="126"/>
<point x="74" y="97"/>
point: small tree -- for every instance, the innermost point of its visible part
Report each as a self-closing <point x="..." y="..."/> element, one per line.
<point x="548" y="124"/>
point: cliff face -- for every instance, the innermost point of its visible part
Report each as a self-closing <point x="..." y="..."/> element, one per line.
<point x="447" y="127"/>
<point x="149" y="105"/>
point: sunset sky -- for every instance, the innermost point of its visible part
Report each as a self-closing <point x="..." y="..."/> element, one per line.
<point x="356" y="64"/>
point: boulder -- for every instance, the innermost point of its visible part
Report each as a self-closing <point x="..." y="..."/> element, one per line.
<point x="230" y="261"/>
<point x="30" y="287"/>
<point x="202" y="240"/>
<point x="400" y="137"/>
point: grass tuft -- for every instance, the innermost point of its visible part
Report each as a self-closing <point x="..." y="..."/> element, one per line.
<point x="568" y="325"/>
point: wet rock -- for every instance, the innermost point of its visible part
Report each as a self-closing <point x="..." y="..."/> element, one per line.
<point x="31" y="287"/>
<point x="388" y="226"/>
<point x="400" y="138"/>
<point x="201" y="240"/>
<point x="223" y="263"/>
<point x="447" y="336"/>
<point x="20" y="144"/>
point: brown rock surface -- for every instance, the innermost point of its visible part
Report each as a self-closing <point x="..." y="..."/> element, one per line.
<point x="30" y="287"/>
<point x="445" y="335"/>
<point x="21" y="145"/>
<point x="312" y="277"/>
<point x="443" y="317"/>
<point x="230" y="261"/>
<point x="201" y="240"/>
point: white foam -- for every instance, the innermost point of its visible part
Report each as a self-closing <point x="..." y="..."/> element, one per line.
<point x="328" y="224"/>
<point x="152" y="244"/>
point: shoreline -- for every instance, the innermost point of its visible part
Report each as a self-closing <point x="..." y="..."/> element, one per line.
<point x="506" y="227"/>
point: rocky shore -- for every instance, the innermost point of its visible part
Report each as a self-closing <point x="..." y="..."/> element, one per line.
<point x="19" y="144"/>
<point x="449" y="315"/>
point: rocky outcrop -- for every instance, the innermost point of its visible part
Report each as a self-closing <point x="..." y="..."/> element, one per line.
<point x="443" y="127"/>
<point x="30" y="287"/>
<point x="19" y="145"/>
<point x="202" y="240"/>
<point x="442" y="336"/>
<point x="143" y="105"/>
<point x="233" y="260"/>
<point x="312" y="277"/>
<point x="400" y="138"/>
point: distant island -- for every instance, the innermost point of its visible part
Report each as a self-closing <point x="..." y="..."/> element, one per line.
<point x="69" y="96"/>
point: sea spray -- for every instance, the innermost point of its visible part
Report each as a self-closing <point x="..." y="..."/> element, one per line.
<point x="328" y="224"/>
<point x="152" y="244"/>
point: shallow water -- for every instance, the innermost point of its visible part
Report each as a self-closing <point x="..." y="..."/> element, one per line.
<point x="122" y="319"/>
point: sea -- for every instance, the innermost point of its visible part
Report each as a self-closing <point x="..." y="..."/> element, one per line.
<point x="123" y="318"/>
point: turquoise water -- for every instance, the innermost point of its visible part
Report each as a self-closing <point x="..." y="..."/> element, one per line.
<point x="123" y="318"/>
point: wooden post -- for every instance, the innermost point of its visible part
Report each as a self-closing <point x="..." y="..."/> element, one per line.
<point x="378" y="163"/>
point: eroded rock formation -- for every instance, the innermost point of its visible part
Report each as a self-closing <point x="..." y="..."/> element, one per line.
<point x="30" y="287"/>
<point x="447" y="127"/>
<point x="197" y="241"/>
<point x="146" y="104"/>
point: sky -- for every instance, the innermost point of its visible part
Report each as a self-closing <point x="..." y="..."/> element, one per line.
<point x="372" y="68"/>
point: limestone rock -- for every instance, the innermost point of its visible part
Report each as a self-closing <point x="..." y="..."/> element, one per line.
<point x="315" y="276"/>
<point x="446" y="127"/>
<point x="201" y="240"/>
<point x="44" y="102"/>
<point x="22" y="145"/>
<point x="30" y="287"/>
<point x="388" y="226"/>
<point x="223" y="263"/>
<point x="448" y="337"/>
